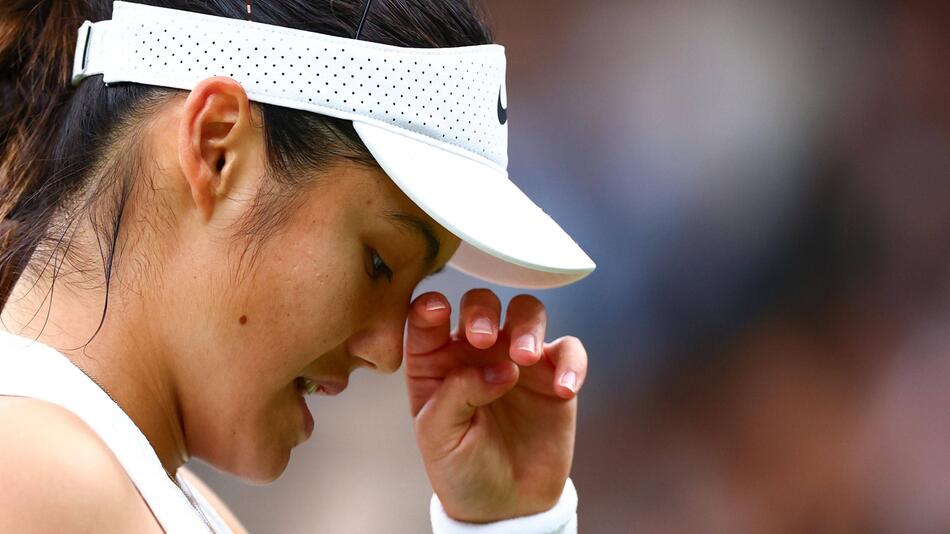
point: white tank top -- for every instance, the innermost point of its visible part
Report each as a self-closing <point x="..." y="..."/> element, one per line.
<point x="36" y="370"/>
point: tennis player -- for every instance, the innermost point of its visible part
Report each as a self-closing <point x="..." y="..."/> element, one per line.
<point x="215" y="208"/>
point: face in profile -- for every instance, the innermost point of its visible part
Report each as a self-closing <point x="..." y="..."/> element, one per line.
<point x="322" y="294"/>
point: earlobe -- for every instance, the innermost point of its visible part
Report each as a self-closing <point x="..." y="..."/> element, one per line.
<point x="212" y="140"/>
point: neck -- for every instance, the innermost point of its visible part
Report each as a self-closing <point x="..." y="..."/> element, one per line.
<point x="123" y="357"/>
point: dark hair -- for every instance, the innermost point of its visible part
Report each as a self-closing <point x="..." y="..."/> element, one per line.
<point x="54" y="138"/>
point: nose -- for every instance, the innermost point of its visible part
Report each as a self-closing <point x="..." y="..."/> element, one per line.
<point x="379" y="345"/>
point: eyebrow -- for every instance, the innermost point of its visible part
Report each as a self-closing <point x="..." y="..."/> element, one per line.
<point x="424" y="231"/>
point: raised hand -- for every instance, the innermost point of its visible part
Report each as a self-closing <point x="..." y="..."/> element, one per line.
<point x="494" y="407"/>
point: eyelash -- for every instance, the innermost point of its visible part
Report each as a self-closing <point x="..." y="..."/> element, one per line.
<point x="378" y="267"/>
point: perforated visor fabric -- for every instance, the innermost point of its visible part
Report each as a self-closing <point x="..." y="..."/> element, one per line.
<point x="448" y="97"/>
<point x="435" y="119"/>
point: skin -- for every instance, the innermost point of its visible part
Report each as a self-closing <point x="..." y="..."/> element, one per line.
<point x="201" y="346"/>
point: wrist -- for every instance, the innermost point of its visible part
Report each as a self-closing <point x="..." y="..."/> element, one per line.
<point x="558" y="516"/>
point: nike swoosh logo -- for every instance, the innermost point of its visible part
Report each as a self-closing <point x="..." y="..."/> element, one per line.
<point x="502" y="112"/>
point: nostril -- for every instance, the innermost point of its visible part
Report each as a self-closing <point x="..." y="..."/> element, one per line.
<point x="356" y="362"/>
<point x="384" y="365"/>
<point x="377" y="349"/>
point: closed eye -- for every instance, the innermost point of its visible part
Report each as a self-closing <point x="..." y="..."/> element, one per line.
<point x="377" y="267"/>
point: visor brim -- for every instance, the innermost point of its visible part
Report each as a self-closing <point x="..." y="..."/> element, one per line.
<point x="507" y="238"/>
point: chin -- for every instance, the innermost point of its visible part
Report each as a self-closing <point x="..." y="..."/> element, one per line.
<point x="253" y="443"/>
<point x="253" y="462"/>
<point x="261" y="471"/>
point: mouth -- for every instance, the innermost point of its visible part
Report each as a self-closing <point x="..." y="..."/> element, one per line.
<point x="319" y="386"/>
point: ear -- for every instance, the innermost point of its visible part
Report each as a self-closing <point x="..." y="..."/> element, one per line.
<point x="214" y="140"/>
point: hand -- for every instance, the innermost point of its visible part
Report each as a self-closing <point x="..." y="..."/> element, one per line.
<point x="494" y="417"/>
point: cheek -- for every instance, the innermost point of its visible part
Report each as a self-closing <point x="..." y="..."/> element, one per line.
<point x="250" y="417"/>
<point x="282" y="326"/>
<point x="251" y="335"/>
<point x="304" y="298"/>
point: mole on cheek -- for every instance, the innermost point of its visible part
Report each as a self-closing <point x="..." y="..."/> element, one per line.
<point x="243" y="319"/>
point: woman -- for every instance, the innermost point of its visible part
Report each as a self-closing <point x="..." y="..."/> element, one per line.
<point x="216" y="256"/>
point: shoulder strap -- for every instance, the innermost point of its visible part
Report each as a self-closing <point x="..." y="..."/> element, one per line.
<point x="32" y="369"/>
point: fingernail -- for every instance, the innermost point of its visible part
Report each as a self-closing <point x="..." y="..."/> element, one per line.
<point x="526" y="343"/>
<point x="435" y="304"/>
<point x="494" y="375"/>
<point x="481" y="326"/>
<point x="569" y="380"/>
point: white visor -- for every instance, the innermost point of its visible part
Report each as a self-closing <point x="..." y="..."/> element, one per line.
<point x="433" y="118"/>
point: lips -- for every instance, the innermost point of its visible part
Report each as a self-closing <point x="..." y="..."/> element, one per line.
<point x="313" y="385"/>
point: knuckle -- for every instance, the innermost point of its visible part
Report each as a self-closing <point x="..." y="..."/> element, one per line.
<point x="527" y="302"/>
<point x="476" y="292"/>
<point x="481" y="295"/>
<point x="423" y="300"/>
<point x="428" y="294"/>
<point x="527" y="308"/>
<point x="524" y="298"/>
<point x="419" y="301"/>
<point x="573" y="342"/>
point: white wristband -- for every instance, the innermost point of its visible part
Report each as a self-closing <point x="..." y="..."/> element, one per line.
<point x="560" y="519"/>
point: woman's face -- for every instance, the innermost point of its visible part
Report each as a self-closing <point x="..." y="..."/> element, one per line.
<point x="325" y="293"/>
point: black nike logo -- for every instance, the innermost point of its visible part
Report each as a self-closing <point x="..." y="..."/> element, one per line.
<point x="502" y="112"/>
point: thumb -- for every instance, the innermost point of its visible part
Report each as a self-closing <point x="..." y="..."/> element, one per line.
<point x="447" y="415"/>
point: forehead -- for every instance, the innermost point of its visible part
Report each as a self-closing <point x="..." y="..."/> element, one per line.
<point x="380" y="197"/>
<point x="370" y="186"/>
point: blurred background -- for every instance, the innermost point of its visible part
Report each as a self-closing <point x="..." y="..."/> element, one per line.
<point x="765" y="187"/>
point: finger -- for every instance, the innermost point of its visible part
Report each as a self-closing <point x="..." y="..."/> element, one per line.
<point x="429" y="323"/>
<point x="420" y="391"/>
<point x="525" y="323"/>
<point x="569" y="359"/>
<point x="448" y="414"/>
<point x="478" y="315"/>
